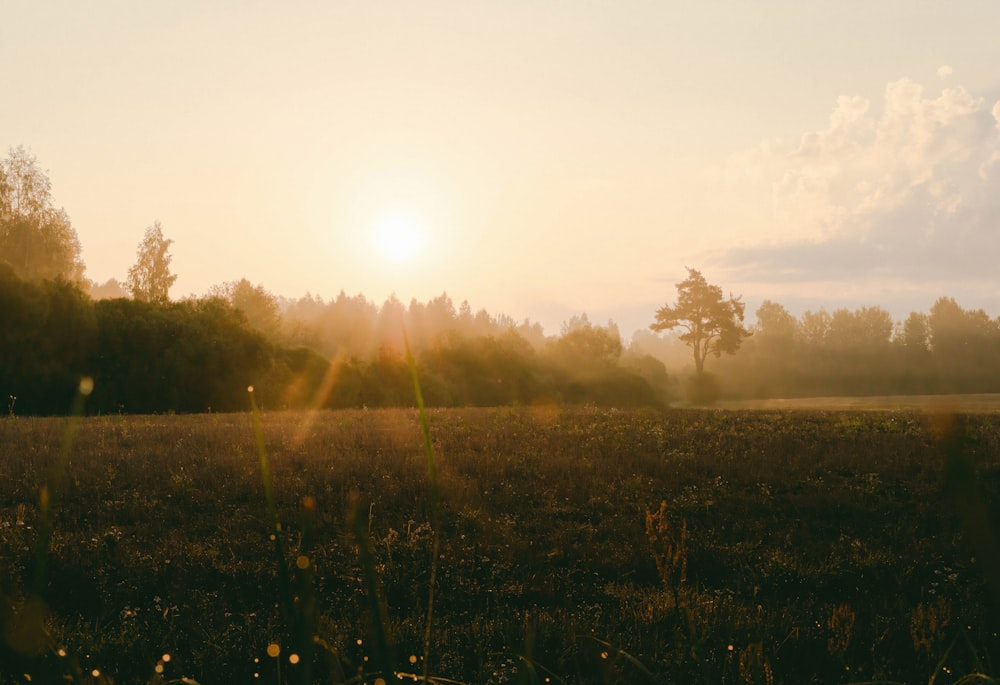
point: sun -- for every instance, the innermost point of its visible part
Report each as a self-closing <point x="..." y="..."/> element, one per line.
<point x="398" y="237"/>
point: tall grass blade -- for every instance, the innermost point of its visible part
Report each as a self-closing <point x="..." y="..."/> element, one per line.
<point x="432" y="475"/>
<point x="275" y="534"/>
<point x="384" y="657"/>
<point x="52" y="489"/>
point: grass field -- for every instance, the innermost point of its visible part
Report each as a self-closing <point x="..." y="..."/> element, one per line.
<point x="970" y="403"/>
<point x="564" y="545"/>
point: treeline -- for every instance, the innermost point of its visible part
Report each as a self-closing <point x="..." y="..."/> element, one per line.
<point x="202" y="354"/>
<point x="148" y="354"/>
<point x="949" y="349"/>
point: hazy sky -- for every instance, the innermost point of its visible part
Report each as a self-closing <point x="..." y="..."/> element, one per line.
<point x="556" y="157"/>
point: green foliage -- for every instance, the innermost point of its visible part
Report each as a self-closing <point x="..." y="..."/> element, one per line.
<point x="149" y="279"/>
<point x="587" y="348"/>
<point x="486" y="371"/>
<point x="200" y="355"/>
<point x="183" y="357"/>
<point x="47" y="337"/>
<point x="258" y="305"/>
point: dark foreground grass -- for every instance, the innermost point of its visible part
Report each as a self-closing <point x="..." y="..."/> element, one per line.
<point x="813" y="547"/>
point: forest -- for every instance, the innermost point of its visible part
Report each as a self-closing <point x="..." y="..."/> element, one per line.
<point x="146" y="353"/>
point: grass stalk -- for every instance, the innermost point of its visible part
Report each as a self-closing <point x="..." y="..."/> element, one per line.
<point x="274" y="524"/>
<point x="52" y="489"/>
<point x="432" y="475"/>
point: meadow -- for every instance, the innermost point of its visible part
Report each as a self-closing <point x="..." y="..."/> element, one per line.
<point x="563" y="545"/>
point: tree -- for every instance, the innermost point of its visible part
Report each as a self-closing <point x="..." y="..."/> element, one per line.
<point x="150" y="279"/>
<point x="713" y="325"/>
<point x="957" y="331"/>
<point x="47" y="334"/>
<point x="586" y="347"/>
<point x="108" y="290"/>
<point x="776" y="330"/>
<point x="815" y="327"/>
<point x="865" y="329"/>
<point x="964" y="343"/>
<point x="258" y="305"/>
<point x="36" y="239"/>
<point x="914" y="334"/>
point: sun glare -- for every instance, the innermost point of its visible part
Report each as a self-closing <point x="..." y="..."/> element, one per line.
<point x="398" y="237"/>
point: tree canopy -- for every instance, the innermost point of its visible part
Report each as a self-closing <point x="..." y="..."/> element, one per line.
<point x="36" y="239"/>
<point x="258" y="305"/>
<point x="149" y="279"/>
<point x="711" y="324"/>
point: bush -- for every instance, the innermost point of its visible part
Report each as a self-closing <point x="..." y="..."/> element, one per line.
<point x="702" y="388"/>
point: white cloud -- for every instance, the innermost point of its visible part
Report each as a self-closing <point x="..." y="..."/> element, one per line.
<point x="906" y="193"/>
<point x="944" y="71"/>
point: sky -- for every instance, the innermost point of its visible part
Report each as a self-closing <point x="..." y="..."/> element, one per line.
<point x="538" y="159"/>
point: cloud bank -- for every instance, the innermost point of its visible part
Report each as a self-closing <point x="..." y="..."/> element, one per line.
<point x="908" y="194"/>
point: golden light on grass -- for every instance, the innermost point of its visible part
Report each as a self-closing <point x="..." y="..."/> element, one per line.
<point x="273" y="650"/>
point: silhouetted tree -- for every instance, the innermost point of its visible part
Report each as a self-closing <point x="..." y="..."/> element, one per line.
<point x="108" y="290"/>
<point x="964" y="344"/>
<point x="47" y="333"/>
<point x="815" y="327"/>
<point x="712" y="325"/>
<point x="36" y="239"/>
<point x="149" y="279"/>
<point x="427" y="323"/>
<point x="482" y="371"/>
<point x="258" y="305"/>
<point x="389" y="327"/>
<point x="957" y="331"/>
<point x="654" y="372"/>
<point x="388" y="382"/>
<point x="912" y="343"/>
<point x="584" y="347"/>
<point x="195" y="355"/>
<point x="776" y="330"/>
<point x="914" y="334"/>
<point x="866" y="329"/>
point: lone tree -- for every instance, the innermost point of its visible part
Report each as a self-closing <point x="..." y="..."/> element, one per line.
<point x="150" y="279"/>
<point x="711" y="324"/>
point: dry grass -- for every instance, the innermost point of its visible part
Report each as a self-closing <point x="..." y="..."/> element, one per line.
<point x="797" y="547"/>
<point x="965" y="404"/>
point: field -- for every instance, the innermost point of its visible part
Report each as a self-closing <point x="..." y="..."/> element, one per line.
<point x="563" y="545"/>
<point x="968" y="403"/>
